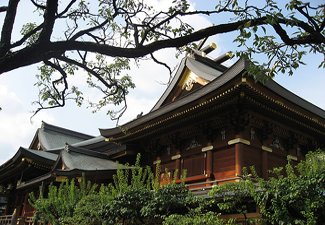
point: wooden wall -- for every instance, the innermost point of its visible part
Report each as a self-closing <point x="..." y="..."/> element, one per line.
<point x="224" y="163"/>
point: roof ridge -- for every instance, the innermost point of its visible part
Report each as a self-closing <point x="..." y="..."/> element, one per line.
<point x="84" y="151"/>
<point x="47" y="126"/>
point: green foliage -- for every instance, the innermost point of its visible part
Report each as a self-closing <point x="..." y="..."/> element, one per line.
<point x="30" y="30"/>
<point x="209" y="218"/>
<point x="289" y="199"/>
<point x="59" y="206"/>
<point x="114" y="85"/>
<point x="280" y="52"/>
<point x="136" y="196"/>
<point x="139" y="198"/>
<point x="86" y="210"/>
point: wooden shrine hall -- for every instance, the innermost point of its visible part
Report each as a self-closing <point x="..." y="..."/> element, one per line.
<point x="211" y="121"/>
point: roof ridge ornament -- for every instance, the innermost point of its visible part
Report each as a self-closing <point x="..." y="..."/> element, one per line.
<point x="209" y="48"/>
<point x="43" y="125"/>
<point x="223" y="57"/>
<point x="66" y="147"/>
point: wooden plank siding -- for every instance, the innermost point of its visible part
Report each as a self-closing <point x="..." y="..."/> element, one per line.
<point x="165" y="177"/>
<point x="224" y="163"/>
<point x="274" y="160"/>
<point x="195" y="165"/>
<point x="253" y="157"/>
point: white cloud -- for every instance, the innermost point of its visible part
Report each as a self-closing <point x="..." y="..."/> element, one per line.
<point x="15" y="127"/>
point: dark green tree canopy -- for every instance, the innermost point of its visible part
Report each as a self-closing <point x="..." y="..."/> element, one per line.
<point x="126" y="29"/>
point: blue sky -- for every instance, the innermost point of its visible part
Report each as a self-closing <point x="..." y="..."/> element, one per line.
<point x="17" y="90"/>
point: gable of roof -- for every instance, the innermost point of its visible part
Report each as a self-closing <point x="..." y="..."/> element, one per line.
<point x="190" y="72"/>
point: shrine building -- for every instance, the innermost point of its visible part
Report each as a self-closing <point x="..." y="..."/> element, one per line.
<point x="211" y="121"/>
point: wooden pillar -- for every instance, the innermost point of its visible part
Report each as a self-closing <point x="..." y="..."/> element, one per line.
<point x="25" y="203"/>
<point x="9" y="202"/>
<point x="178" y="165"/>
<point x="239" y="156"/>
<point x="16" y="201"/>
<point x="209" y="164"/>
<point x="265" y="174"/>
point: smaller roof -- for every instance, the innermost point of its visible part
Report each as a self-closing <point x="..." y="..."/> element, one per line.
<point x="75" y="160"/>
<point x="21" y="162"/>
<point x="39" y="156"/>
<point x="51" y="137"/>
<point x="42" y="154"/>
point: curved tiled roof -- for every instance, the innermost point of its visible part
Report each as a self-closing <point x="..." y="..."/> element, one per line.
<point x="43" y="154"/>
<point x="74" y="160"/>
<point x="51" y="137"/>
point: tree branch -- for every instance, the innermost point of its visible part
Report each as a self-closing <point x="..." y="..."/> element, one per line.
<point x="49" y="19"/>
<point x="66" y="8"/>
<point x="61" y="96"/>
<point x="7" y="27"/>
<point x="68" y="60"/>
<point x="38" y="5"/>
<point x="3" y="8"/>
<point x="39" y="52"/>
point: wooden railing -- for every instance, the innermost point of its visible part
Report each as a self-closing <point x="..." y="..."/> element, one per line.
<point x="6" y="220"/>
<point x="208" y="185"/>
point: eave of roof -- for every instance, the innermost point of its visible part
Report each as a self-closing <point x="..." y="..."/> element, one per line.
<point x="295" y="99"/>
<point x="50" y="176"/>
<point x="39" y="156"/>
<point x="21" y="161"/>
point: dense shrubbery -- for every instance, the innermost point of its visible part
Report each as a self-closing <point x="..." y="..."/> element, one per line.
<point x="136" y="197"/>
